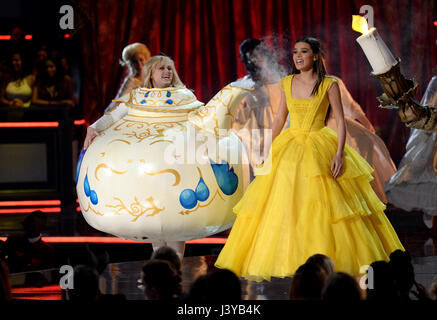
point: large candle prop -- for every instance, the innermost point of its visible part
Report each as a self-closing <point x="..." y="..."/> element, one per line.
<point x="399" y="92"/>
<point x="380" y="57"/>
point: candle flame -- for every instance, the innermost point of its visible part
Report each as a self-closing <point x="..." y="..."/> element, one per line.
<point x="359" y="24"/>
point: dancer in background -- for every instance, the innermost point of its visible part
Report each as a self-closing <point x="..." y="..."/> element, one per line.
<point x="362" y="138"/>
<point x="134" y="57"/>
<point x="317" y="197"/>
<point x="254" y="118"/>
<point x="414" y="185"/>
<point x="158" y="72"/>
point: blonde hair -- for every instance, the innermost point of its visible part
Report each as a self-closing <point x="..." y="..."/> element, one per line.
<point x="128" y="56"/>
<point x="152" y="64"/>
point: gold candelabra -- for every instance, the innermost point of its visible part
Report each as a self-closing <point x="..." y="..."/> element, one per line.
<point x="399" y="94"/>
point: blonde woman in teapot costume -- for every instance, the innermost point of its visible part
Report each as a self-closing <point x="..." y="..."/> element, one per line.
<point x="158" y="72"/>
<point x="316" y="196"/>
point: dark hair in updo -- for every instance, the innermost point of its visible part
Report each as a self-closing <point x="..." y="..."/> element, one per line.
<point x="318" y="66"/>
<point x="246" y="47"/>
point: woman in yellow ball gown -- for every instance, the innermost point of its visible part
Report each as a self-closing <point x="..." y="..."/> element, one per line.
<point x="315" y="196"/>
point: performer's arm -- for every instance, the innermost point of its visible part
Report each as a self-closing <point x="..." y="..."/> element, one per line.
<point x="335" y="101"/>
<point x="278" y="123"/>
<point x="128" y="85"/>
<point x="280" y="118"/>
<point x="104" y="123"/>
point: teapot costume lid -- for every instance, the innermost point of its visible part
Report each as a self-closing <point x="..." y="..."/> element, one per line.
<point x="174" y="100"/>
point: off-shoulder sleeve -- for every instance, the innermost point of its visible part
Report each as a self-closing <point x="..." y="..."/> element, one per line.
<point x="110" y="117"/>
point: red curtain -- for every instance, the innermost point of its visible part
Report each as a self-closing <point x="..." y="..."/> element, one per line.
<point x="203" y="36"/>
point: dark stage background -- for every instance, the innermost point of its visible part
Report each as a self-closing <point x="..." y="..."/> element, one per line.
<point x="202" y="36"/>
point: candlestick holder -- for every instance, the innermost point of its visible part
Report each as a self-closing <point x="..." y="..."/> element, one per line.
<point x="399" y="94"/>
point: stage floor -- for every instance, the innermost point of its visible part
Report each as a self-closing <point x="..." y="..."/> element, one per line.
<point x="121" y="276"/>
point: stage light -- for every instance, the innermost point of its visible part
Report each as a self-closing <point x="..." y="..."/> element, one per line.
<point x="29" y="210"/>
<point x="29" y="124"/>
<point x="30" y="203"/>
<point x="435" y="23"/>
<point x="79" y="122"/>
<point x="118" y="240"/>
<point x="9" y="37"/>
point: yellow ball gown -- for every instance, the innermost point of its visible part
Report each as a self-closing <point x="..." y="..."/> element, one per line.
<point x="298" y="209"/>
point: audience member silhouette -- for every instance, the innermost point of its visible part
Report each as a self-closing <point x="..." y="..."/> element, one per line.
<point x="324" y="262"/>
<point x="380" y="282"/>
<point x="341" y="287"/>
<point x="307" y="283"/>
<point x="404" y="277"/>
<point x="161" y="281"/>
<point x="86" y="284"/>
<point x="28" y="252"/>
<point x="38" y="63"/>
<point x="97" y="259"/>
<point x="219" y="286"/>
<point x="403" y="273"/>
<point x="170" y="255"/>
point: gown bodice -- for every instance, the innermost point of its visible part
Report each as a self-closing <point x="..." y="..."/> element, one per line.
<point x="307" y="114"/>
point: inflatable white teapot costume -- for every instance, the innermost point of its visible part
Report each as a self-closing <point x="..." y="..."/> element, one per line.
<point x="165" y="167"/>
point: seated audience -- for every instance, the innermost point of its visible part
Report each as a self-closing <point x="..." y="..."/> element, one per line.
<point x="28" y="252"/>
<point x="86" y="284"/>
<point x="161" y="281"/>
<point x="17" y="90"/>
<point x="218" y="286"/>
<point x="170" y="255"/>
<point x="40" y="56"/>
<point x="380" y="282"/>
<point x="341" y="287"/>
<point x="307" y="282"/>
<point x="404" y="278"/>
<point x="53" y="87"/>
<point x="324" y="262"/>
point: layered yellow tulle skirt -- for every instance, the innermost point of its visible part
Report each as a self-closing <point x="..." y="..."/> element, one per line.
<point x="296" y="209"/>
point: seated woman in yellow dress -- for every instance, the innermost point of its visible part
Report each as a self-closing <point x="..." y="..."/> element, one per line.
<point x="315" y="197"/>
